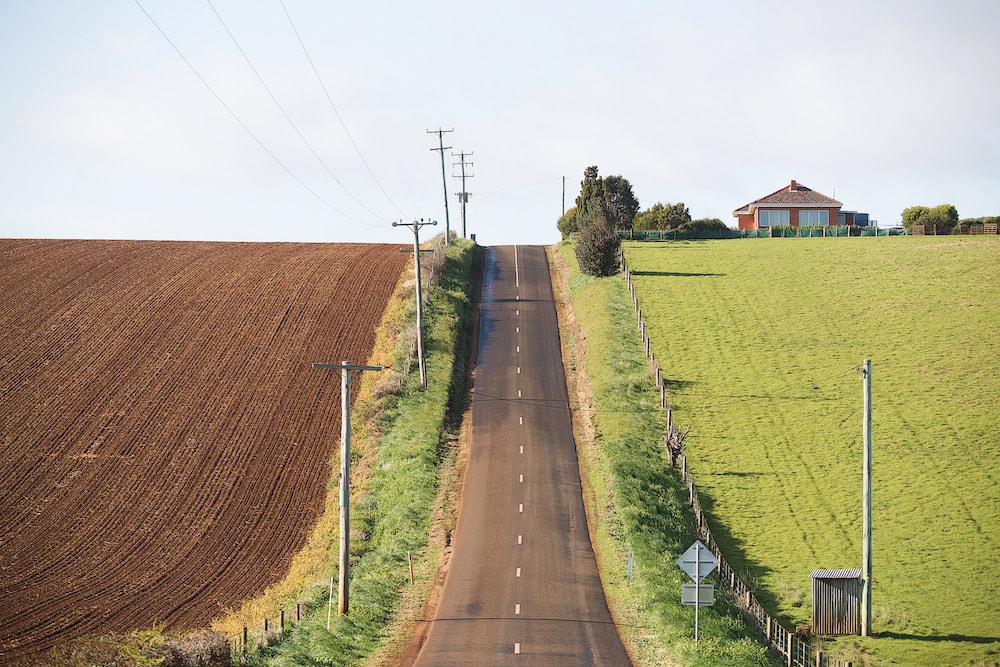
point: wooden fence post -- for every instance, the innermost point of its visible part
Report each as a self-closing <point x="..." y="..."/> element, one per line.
<point x="298" y="612"/>
<point x="819" y="657"/>
<point x="281" y="622"/>
<point x="265" y="625"/>
<point x="788" y="648"/>
<point x="767" y="629"/>
<point x="244" y="639"/>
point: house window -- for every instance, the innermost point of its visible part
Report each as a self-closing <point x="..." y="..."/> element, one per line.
<point x="814" y="218"/>
<point x="767" y="218"/>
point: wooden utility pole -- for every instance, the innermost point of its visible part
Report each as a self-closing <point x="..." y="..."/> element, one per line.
<point x="415" y="226"/>
<point x="444" y="179"/>
<point x="866" y="521"/>
<point x="346" y="368"/>
<point x="463" y="196"/>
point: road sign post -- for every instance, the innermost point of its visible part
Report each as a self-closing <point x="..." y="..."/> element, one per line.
<point x="698" y="562"/>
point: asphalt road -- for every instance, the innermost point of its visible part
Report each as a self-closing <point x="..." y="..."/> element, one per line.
<point x="522" y="587"/>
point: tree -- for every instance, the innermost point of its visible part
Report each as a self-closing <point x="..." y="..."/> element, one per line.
<point x="569" y="223"/>
<point x="941" y="219"/>
<point x="913" y="215"/>
<point x="591" y="187"/>
<point x="614" y="194"/>
<point x="620" y="202"/>
<point x="597" y="247"/>
<point x="664" y="217"/>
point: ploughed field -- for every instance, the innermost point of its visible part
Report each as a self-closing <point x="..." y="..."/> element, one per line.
<point x="165" y="442"/>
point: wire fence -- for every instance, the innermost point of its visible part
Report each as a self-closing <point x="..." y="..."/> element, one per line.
<point x="832" y="231"/>
<point x="793" y="649"/>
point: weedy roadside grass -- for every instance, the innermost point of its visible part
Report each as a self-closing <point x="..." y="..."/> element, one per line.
<point x="760" y="341"/>
<point x="400" y="441"/>
<point x="635" y="501"/>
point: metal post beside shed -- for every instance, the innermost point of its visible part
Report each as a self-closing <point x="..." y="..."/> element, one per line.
<point x="836" y="602"/>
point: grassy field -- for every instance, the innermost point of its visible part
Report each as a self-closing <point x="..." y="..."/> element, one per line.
<point x="760" y="341"/>
<point x="635" y="501"/>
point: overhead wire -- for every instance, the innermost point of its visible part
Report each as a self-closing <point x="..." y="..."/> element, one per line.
<point x="333" y="106"/>
<point x="285" y="113"/>
<point x="246" y="128"/>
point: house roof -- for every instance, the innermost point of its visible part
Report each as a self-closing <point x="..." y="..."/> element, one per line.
<point x="793" y="194"/>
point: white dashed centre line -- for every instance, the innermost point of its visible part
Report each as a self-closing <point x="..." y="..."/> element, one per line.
<point x="517" y="648"/>
<point x="517" y="610"/>
<point x="518" y="539"/>
<point x="519" y="393"/>
<point x="518" y="348"/>
<point x="520" y="478"/>
<point x="518" y="573"/>
<point x="517" y="329"/>
<point x="522" y="449"/>
<point x="520" y="508"/>
<point x="518" y="370"/>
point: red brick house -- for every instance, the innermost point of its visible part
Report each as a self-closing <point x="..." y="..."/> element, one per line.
<point x="794" y="205"/>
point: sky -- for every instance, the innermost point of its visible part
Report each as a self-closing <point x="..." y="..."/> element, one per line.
<point x="148" y="119"/>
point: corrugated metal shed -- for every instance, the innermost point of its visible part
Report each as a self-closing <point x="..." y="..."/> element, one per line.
<point x="848" y="573"/>
<point x="836" y="602"/>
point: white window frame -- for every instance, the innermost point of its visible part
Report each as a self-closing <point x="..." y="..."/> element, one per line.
<point x="822" y="217"/>
<point x="764" y="216"/>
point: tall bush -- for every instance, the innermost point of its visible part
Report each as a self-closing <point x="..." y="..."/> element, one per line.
<point x="597" y="249"/>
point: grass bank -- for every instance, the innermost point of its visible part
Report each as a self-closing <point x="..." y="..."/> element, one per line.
<point x="635" y="502"/>
<point x="760" y="341"/>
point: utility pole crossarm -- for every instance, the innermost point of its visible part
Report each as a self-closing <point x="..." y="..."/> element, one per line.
<point x="350" y="367"/>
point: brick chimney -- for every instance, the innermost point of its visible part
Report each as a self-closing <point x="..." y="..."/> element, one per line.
<point x="793" y="186"/>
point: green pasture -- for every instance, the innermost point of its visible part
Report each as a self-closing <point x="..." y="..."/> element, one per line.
<point x="760" y="341"/>
<point x="635" y="502"/>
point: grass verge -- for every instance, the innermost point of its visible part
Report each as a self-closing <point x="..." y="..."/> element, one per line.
<point x="635" y="501"/>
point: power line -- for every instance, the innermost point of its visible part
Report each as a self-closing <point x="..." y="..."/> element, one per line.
<point x="519" y="187"/>
<point x="244" y="125"/>
<point x="335" y="112"/>
<point x="285" y="113"/>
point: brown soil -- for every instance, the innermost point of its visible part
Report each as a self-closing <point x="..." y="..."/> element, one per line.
<point x="166" y="444"/>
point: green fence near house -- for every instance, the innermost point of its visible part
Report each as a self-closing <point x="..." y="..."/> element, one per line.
<point x="766" y="232"/>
